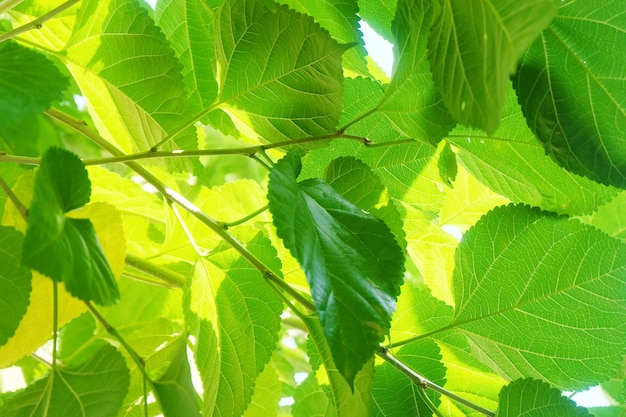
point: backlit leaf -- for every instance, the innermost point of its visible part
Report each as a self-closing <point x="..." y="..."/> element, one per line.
<point x="279" y="73"/>
<point x="15" y="283"/>
<point x="512" y="163"/>
<point x="570" y="89"/>
<point x="94" y="388"/>
<point x="379" y="15"/>
<point x="474" y="47"/>
<point x="129" y="76"/>
<point x="542" y="296"/>
<point x="174" y="389"/>
<point x="63" y="248"/>
<point x="351" y="260"/>
<point x="533" y="398"/>
<point x="30" y="83"/>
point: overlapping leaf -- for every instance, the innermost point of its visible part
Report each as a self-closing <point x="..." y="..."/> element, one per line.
<point x="237" y="317"/>
<point x="15" y="283"/>
<point x="379" y="15"/>
<point x="280" y="74"/>
<point x="29" y="84"/>
<point x="530" y="397"/>
<point x="474" y="47"/>
<point x="174" y="389"/>
<point x="63" y="248"/>
<point x="511" y="163"/>
<point x="129" y="76"/>
<point x="542" y="296"/>
<point x="94" y="388"/>
<point x="351" y="259"/>
<point x="570" y="89"/>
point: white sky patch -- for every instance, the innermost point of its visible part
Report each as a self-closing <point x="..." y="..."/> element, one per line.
<point x="378" y="48"/>
<point x="593" y="397"/>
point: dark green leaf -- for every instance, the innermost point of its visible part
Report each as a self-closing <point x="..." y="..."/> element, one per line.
<point x="29" y="83"/>
<point x="511" y="162"/>
<point x="570" y="86"/>
<point x="63" y="248"/>
<point x="174" y="389"/>
<point x="95" y="388"/>
<point x="533" y="398"/>
<point x="542" y="296"/>
<point x="394" y="394"/>
<point x="351" y="260"/>
<point x="279" y="72"/>
<point x="15" y="283"/>
<point x="474" y="47"/>
<point x="447" y="164"/>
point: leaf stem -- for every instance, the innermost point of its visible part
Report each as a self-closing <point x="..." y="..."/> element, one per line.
<point x="55" y="323"/>
<point x="37" y="23"/>
<point x="250" y="216"/>
<point x="422" y="393"/>
<point x="425" y="383"/>
<point x="14" y="199"/>
<point x="168" y="193"/>
<point x="172" y="278"/>
<point x="113" y="332"/>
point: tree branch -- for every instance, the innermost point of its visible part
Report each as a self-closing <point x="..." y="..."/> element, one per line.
<point x="37" y="23"/>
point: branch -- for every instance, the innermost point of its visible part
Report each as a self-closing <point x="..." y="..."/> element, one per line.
<point x="171" y="195"/>
<point x="7" y="5"/>
<point x="14" y="199"/>
<point x="171" y="278"/>
<point x="425" y="383"/>
<point x="37" y="23"/>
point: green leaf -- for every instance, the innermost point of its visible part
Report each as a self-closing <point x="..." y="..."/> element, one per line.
<point x="63" y="248"/>
<point x="570" y="90"/>
<point x="56" y="30"/>
<point x="189" y="27"/>
<point x="237" y="317"/>
<point x="411" y="102"/>
<point x="30" y="83"/>
<point x="511" y="163"/>
<point x="611" y="217"/>
<point x="379" y="15"/>
<point x="542" y="296"/>
<point x="474" y="47"/>
<point x="341" y="20"/>
<point x="266" y="396"/>
<point x="407" y="169"/>
<point x="394" y="394"/>
<point x="311" y="400"/>
<point x="129" y="75"/>
<point x="15" y="283"/>
<point x="93" y="389"/>
<point x="279" y="73"/>
<point x="174" y="389"/>
<point x="533" y="398"/>
<point x="351" y="260"/>
<point x="447" y="165"/>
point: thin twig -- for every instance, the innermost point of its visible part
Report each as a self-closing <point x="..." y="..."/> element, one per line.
<point x="250" y="216"/>
<point x="21" y="208"/>
<point x="423" y="382"/>
<point x="169" y="277"/>
<point x="37" y="23"/>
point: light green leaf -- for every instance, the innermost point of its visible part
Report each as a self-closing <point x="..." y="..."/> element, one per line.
<point x="30" y="83"/>
<point x="266" y="395"/>
<point x="341" y="20"/>
<point x="94" y="388"/>
<point x="129" y="76"/>
<point x="311" y="400"/>
<point x="611" y="217"/>
<point x="411" y="102"/>
<point x="63" y="248"/>
<point x="56" y="30"/>
<point x="237" y="317"/>
<point x="379" y="15"/>
<point x="394" y="394"/>
<point x="279" y="73"/>
<point x="570" y="90"/>
<point x="15" y="283"/>
<point x="407" y="169"/>
<point x="511" y="162"/>
<point x="174" y="389"/>
<point x="533" y="398"/>
<point x="351" y="259"/>
<point x="542" y="296"/>
<point x="189" y="27"/>
<point x="474" y="47"/>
